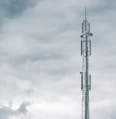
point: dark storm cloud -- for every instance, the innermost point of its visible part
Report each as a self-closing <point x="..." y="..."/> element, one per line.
<point x="15" y="8"/>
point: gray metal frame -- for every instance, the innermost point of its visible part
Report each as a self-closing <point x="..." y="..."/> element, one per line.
<point x="85" y="76"/>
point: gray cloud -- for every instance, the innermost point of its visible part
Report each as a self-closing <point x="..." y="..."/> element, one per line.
<point x="23" y="107"/>
<point x="15" y="8"/>
<point x="7" y="112"/>
<point x="102" y="8"/>
<point x="40" y="58"/>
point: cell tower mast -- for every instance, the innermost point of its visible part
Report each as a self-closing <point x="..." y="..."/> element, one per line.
<point x="85" y="76"/>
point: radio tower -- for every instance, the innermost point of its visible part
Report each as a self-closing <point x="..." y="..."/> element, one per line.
<point x="85" y="76"/>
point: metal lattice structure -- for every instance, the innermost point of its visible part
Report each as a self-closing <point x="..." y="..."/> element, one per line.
<point x="85" y="76"/>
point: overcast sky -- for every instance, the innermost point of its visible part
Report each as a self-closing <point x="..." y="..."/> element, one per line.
<point x="40" y="59"/>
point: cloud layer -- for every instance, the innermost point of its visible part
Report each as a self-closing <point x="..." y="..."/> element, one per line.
<point x="40" y="58"/>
